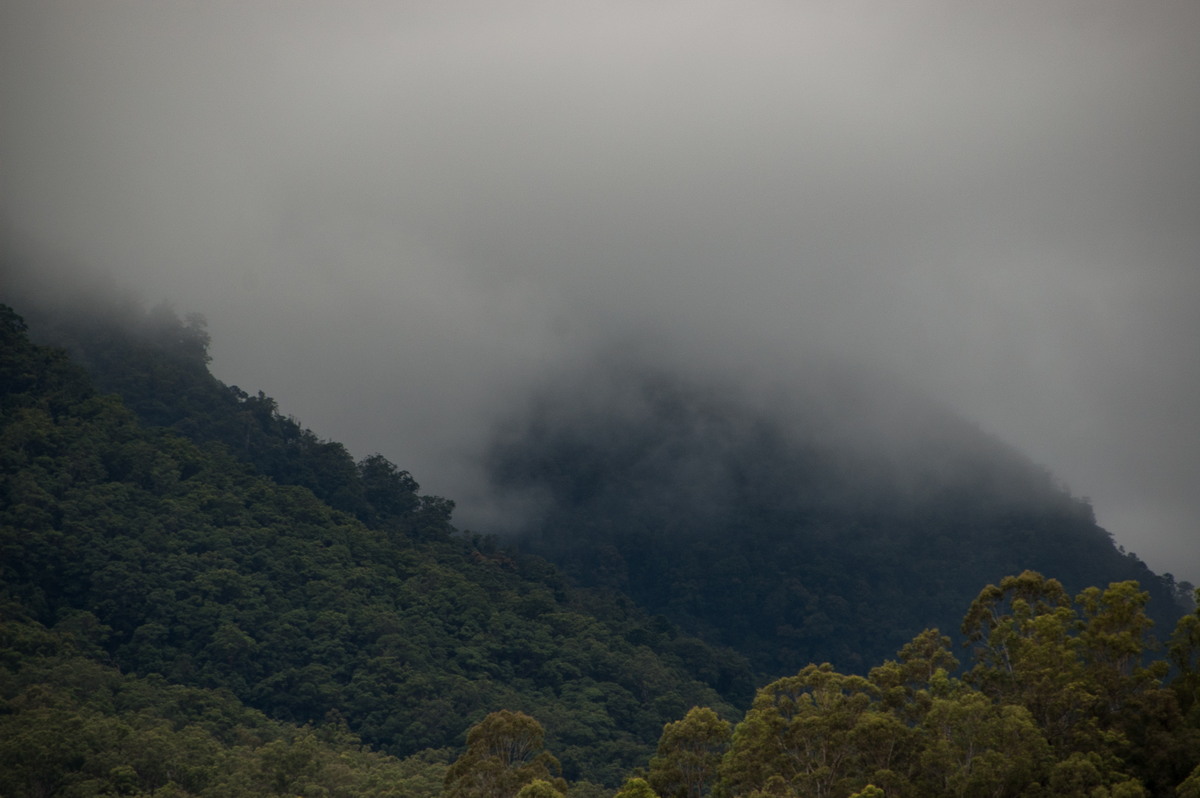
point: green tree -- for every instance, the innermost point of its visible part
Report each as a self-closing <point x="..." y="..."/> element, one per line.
<point x="1091" y="775"/>
<point x="539" y="788"/>
<point x="504" y="753"/>
<point x="689" y="753"/>
<point x="819" y="733"/>
<point x="1027" y="653"/>
<point x="976" y="747"/>
<point x="1113" y="641"/>
<point x="640" y="788"/>
<point x="287" y="767"/>
<point x="870" y="791"/>
<point x="905" y="685"/>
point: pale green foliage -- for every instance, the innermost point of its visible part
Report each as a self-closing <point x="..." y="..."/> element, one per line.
<point x="905" y="685"/>
<point x="975" y="747"/>
<point x="504" y="753"/>
<point x="870" y="791"/>
<point x="1058" y="704"/>
<point x="818" y="731"/>
<point x="636" y="788"/>
<point x="689" y="752"/>
<point x="1113" y="639"/>
<point x="1027" y="654"/>
<point x="539" y="788"/>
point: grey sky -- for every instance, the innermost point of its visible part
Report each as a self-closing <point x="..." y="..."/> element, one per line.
<point x="397" y="215"/>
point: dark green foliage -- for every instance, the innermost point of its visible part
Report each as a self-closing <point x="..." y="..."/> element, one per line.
<point x="73" y="726"/>
<point x="204" y="572"/>
<point x="158" y="364"/>
<point x="1185" y="656"/>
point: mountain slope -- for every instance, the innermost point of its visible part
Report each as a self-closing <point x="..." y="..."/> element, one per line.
<point x="209" y="574"/>
<point x="803" y="536"/>
<point x="834" y="530"/>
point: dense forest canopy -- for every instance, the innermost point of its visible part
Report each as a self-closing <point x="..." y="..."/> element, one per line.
<point x="198" y="567"/>
<point x="200" y="597"/>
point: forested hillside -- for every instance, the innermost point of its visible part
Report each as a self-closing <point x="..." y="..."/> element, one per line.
<point x="202" y="598"/>
<point x="181" y="561"/>
<point x="793" y="534"/>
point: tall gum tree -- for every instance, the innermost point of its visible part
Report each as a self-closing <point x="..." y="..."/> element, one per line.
<point x="504" y="753"/>
<point x="689" y="753"/>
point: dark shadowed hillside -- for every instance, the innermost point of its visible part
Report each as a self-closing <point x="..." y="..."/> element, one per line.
<point x="834" y="528"/>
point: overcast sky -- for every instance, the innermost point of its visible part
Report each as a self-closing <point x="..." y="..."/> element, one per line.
<point x="398" y="215"/>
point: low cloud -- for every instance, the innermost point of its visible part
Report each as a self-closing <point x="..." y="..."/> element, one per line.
<point x="398" y="218"/>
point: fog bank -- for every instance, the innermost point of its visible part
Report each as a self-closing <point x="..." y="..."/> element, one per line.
<point x="399" y="217"/>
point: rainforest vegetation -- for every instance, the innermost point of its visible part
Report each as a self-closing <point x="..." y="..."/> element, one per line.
<point x="200" y="597"/>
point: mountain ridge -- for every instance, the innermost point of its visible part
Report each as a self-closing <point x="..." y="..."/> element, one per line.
<point x="196" y="552"/>
<point x="207" y="572"/>
<point x="825" y="536"/>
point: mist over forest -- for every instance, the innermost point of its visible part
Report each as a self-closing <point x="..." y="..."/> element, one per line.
<point x="402" y="219"/>
<point x="773" y="518"/>
<point x="202" y="597"/>
<point x="599" y="400"/>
